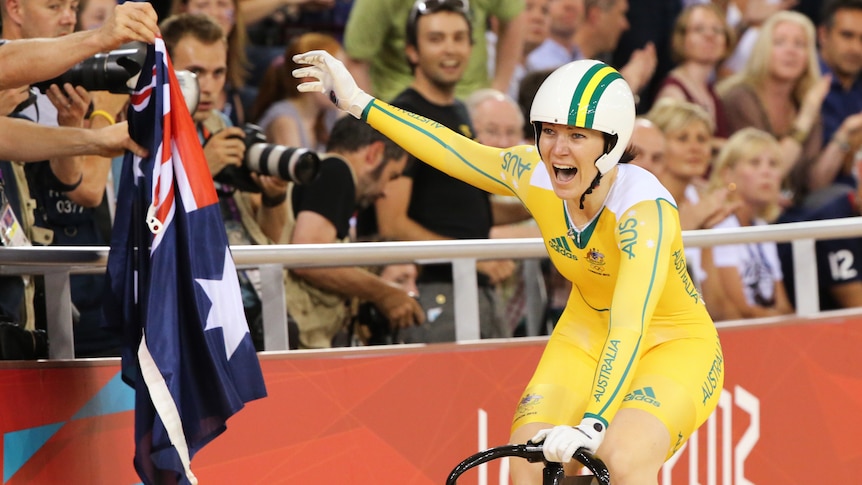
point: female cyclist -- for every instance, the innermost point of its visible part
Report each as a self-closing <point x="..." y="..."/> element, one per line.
<point x="634" y="365"/>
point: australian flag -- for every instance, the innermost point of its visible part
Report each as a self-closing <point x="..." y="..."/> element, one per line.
<point x="173" y="289"/>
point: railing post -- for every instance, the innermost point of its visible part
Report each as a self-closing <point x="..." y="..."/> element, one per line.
<point x="274" y="307"/>
<point x="466" y="292"/>
<point x="58" y="312"/>
<point x="805" y="277"/>
<point x="535" y="295"/>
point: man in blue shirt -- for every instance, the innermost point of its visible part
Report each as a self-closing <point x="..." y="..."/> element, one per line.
<point x="840" y="37"/>
<point x="839" y="261"/>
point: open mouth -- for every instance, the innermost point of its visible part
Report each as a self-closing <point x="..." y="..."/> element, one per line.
<point x="564" y="173"/>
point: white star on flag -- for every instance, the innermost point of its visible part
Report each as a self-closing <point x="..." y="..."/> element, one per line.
<point x="226" y="311"/>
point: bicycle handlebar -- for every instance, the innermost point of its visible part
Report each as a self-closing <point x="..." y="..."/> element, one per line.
<point x="533" y="454"/>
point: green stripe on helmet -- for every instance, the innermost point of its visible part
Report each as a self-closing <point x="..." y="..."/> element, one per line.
<point x="597" y="95"/>
<point x="589" y="91"/>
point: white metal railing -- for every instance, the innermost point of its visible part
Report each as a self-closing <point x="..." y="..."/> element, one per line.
<point x="57" y="263"/>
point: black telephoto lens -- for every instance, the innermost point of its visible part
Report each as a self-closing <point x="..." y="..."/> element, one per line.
<point x="109" y="71"/>
<point x="298" y="165"/>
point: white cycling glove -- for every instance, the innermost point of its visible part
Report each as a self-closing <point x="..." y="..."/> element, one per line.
<point x="333" y="79"/>
<point x="560" y="443"/>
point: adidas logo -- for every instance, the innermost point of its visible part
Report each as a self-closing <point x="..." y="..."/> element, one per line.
<point x="645" y="394"/>
<point x="561" y="245"/>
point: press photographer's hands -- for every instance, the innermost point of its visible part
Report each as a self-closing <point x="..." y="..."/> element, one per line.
<point x="114" y="140"/>
<point x="128" y="22"/>
<point x="71" y="102"/>
<point x="224" y="148"/>
<point x="10" y="99"/>
<point x="400" y="308"/>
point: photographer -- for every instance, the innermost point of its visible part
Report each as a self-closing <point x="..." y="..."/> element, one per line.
<point x="32" y="51"/>
<point x="36" y="52"/>
<point x="38" y="24"/>
<point x="252" y="215"/>
<point x="355" y="171"/>
<point x="25" y="62"/>
<point x="71" y="208"/>
<point x="25" y="141"/>
<point x="197" y="44"/>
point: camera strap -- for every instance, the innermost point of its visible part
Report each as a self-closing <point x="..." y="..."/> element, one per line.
<point x="11" y="231"/>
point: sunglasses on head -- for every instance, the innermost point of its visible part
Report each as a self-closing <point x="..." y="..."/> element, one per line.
<point x="422" y="7"/>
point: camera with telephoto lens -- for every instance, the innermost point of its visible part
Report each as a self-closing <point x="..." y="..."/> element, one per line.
<point x="115" y="71"/>
<point x="297" y="165"/>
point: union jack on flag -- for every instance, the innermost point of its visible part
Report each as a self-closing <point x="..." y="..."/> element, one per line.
<point x="173" y="289"/>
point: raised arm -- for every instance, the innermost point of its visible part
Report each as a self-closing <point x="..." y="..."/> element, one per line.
<point x="487" y="168"/>
<point x="446" y="150"/>
<point x="31" y="60"/>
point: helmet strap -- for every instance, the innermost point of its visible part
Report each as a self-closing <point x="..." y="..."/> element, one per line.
<point x="593" y="185"/>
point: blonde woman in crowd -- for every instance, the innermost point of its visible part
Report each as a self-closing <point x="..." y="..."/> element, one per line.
<point x="750" y="165"/>
<point x="780" y="91"/>
<point x="745" y="18"/>
<point x="688" y="129"/>
<point x="287" y="117"/>
<point x="687" y="155"/>
<point x="701" y="41"/>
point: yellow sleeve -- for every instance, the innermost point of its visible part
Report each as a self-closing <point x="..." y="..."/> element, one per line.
<point x="645" y="235"/>
<point x="458" y="156"/>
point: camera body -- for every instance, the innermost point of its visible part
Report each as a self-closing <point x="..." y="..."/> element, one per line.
<point x="379" y="330"/>
<point x="297" y="165"/>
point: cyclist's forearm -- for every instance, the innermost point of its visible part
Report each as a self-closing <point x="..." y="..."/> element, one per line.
<point x="644" y="234"/>
<point x="440" y="147"/>
<point x="614" y="373"/>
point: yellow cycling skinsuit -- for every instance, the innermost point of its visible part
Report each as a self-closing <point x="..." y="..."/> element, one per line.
<point x="635" y="332"/>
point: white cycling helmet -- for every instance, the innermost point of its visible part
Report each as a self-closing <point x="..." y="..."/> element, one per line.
<point x="588" y="94"/>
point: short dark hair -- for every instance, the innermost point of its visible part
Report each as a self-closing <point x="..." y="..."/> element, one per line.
<point x="199" y="26"/>
<point x="350" y="134"/>
<point x="425" y="7"/>
<point x="527" y="90"/>
<point x="830" y="8"/>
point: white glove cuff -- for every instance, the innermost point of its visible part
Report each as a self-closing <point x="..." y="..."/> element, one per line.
<point x="358" y="103"/>
<point x="594" y="427"/>
<point x="595" y="430"/>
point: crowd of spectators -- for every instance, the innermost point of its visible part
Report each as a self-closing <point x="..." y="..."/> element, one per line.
<point x="751" y="113"/>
